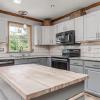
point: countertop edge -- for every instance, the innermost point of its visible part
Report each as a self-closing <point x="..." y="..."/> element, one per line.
<point x="40" y="93"/>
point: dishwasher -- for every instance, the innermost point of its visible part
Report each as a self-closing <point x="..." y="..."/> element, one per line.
<point x="6" y="62"/>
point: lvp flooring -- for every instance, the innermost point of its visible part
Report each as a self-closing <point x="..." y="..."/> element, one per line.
<point x="90" y="97"/>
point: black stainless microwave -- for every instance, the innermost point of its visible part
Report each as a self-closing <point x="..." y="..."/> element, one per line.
<point x="66" y="38"/>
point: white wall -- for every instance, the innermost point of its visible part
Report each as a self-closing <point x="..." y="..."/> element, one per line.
<point x="38" y="50"/>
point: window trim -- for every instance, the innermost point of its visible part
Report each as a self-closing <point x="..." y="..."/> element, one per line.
<point x="30" y="38"/>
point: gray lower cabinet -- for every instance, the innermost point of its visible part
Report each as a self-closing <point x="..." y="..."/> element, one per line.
<point x="26" y="61"/>
<point x="76" y="66"/>
<point x="43" y="61"/>
<point x="49" y="61"/>
<point x="39" y="60"/>
<point x="92" y="69"/>
<point x="77" y="69"/>
<point x="92" y="84"/>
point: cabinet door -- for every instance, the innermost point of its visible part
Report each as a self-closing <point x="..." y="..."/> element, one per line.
<point x="90" y="26"/>
<point x="79" y="29"/>
<point x="60" y="27"/>
<point x="53" y="34"/>
<point x="92" y="83"/>
<point x="3" y="30"/>
<point x="77" y="69"/>
<point x="46" y="35"/>
<point x="37" y="35"/>
<point x="43" y="61"/>
<point x="49" y="62"/>
<point x="70" y="25"/>
<point x="21" y="61"/>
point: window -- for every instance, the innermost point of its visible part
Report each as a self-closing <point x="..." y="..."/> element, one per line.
<point x="19" y="37"/>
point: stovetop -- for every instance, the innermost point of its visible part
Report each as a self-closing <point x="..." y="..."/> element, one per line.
<point x="60" y="57"/>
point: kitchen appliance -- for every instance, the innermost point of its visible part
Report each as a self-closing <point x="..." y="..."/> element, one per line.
<point x="63" y="62"/>
<point x="6" y="62"/>
<point x="66" y="38"/>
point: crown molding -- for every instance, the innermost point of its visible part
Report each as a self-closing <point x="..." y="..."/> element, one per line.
<point x="17" y="15"/>
<point x="82" y="9"/>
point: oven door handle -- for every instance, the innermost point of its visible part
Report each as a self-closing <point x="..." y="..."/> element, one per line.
<point x="64" y="61"/>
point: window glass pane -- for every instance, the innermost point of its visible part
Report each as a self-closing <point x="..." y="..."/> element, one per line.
<point x="19" y="38"/>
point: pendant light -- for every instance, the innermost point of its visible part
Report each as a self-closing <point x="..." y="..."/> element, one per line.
<point x="23" y="13"/>
<point x="24" y="26"/>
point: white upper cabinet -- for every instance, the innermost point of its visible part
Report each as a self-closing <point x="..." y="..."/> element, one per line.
<point x="79" y="29"/>
<point x="53" y="34"/>
<point x="91" y="26"/>
<point x="3" y="30"/>
<point x="37" y="35"/>
<point x="45" y="35"/>
<point x="66" y="26"/>
<point x="60" y="27"/>
<point x="69" y="25"/>
<point x="48" y="35"/>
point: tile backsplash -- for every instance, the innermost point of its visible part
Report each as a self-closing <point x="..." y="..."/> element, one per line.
<point x="90" y="50"/>
<point x="87" y="50"/>
<point x="57" y="50"/>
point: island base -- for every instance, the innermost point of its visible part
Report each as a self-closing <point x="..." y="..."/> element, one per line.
<point x="64" y="94"/>
<point x="8" y="93"/>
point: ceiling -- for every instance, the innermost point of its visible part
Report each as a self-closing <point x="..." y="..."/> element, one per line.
<point x="41" y="8"/>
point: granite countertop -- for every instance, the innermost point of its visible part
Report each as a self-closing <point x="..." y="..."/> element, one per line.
<point x="86" y="58"/>
<point x="22" y="57"/>
<point x="33" y="80"/>
<point x="36" y="56"/>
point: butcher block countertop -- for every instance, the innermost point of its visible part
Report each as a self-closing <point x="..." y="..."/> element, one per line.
<point x="31" y="80"/>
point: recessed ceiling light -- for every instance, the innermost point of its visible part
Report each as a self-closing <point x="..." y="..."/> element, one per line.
<point x="17" y="1"/>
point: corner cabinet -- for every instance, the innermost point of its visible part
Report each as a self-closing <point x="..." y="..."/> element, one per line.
<point x="3" y="30"/>
<point x="79" y="29"/>
<point x="45" y="35"/>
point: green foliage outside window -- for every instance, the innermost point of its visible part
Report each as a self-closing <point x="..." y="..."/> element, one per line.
<point x="19" y="39"/>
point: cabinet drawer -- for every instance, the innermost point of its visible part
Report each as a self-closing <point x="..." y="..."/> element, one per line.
<point x="77" y="69"/>
<point x="92" y="64"/>
<point x="76" y="62"/>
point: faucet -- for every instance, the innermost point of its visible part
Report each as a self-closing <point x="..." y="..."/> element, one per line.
<point x="21" y="49"/>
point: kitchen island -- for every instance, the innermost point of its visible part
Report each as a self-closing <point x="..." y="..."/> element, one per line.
<point x="37" y="82"/>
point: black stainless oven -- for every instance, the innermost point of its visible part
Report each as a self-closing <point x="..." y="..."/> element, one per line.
<point x="66" y="38"/>
<point x="60" y="63"/>
<point x="6" y="62"/>
<point x="63" y="62"/>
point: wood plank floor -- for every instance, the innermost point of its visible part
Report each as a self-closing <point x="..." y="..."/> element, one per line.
<point x="90" y="97"/>
<point x="84" y="96"/>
